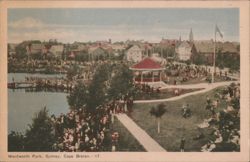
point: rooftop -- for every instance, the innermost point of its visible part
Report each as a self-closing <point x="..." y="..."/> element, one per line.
<point x="147" y="64"/>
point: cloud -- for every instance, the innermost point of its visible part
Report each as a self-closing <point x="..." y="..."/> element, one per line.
<point x="27" y="22"/>
<point x="90" y="34"/>
<point x="30" y="29"/>
<point x="40" y="35"/>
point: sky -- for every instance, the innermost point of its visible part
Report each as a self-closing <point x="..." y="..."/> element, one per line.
<point x="148" y="24"/>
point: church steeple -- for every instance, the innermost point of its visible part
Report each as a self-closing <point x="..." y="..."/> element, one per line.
<point x="191" y="37"/>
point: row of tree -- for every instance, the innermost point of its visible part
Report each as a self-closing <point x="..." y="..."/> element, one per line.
<point x="223" y="60"/>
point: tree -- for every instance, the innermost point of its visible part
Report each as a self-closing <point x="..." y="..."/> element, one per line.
<point x="37" y="56"/>
<point x="229" y="60"/>
<point x="15" y="141"/>
<point x="158" y="112"/>
<point x="78" y="96"/>
<point x="21" y="52"/>
<point x="198" y="59"/>
<point x="72" y="71"/>
<point x="121" y="82"/>
<point x="165" y="51"/>
<point x="39" y="136"/>
<point x="82" y="56"/>
<point x="169" y="52"/>
<point x="97" y="88"/>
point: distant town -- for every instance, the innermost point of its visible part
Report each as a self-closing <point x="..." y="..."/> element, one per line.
<point x="198" y="52"/>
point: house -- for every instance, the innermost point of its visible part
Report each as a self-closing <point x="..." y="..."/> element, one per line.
<point x="107" y="48"/>
<point x="134" y="53"/>
<point x="97" y="52"/>
<point x="102" y="42"/>
<point x="35" y="48"/>
<point x="228" y="47"/>
<point x="117" y="49"/>
<point x="57" y="50"/>
<point x="169" y="42"/>
<point x="185" y="50"/>
<point x="205" y="49"/>
<point x="78" y="46"/>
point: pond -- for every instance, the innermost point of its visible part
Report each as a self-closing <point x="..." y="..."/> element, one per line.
<point x="23" y="105"/>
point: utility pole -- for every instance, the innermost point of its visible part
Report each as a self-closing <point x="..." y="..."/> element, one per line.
<point x="214" y="68"/>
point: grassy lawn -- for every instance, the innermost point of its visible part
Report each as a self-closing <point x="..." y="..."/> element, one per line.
<point x="166" y="93"/>
<point x="127" y="142"/>
<point x="173" y="125"/>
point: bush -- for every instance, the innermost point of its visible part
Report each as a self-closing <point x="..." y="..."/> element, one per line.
<point x="15" y="142"/>
<point x="39" y="136"/>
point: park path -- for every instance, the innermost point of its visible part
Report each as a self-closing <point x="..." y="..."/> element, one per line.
<point x="198" y="85"/>
<point x="141" y="136"/>
<point x="206" y="87"/>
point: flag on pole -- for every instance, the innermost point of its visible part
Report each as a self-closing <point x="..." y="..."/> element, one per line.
<point x="218" y="30"/>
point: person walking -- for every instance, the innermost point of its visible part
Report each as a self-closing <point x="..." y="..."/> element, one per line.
<point x="182" y="144"/>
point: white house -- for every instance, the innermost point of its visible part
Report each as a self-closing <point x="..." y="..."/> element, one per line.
<point x="117" y="48"/>
<point x="184" y="51"/>
<point x="35" y="48"/>
<point x="56" y="50"/>
<point x="134" y="54"/>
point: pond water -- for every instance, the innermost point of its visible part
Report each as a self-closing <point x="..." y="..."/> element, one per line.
<point x="22" y="105"/>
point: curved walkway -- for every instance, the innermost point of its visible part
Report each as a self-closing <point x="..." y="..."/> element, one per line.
<point x="141" y="136"/>
<point x="207" y="87"/>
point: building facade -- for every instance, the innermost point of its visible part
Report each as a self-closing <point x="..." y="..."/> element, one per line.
<point x="185" y="51"/>
<point x="57" y="50"/>
<point x="134" y="54"/>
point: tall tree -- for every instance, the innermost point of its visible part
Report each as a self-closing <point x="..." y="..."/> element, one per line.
<point x="97" y="88"/>
<point x="158" y="112"/>
<point x="78" y="96"/>
<point x="121" y="82"/>
<point x="21" y="52"/>
<point x="39" y="136"/>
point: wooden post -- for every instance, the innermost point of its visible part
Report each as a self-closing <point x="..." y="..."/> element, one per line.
<point x="152" y="76"/>
<point x="160" y="75"/>
<point x="141" y="77"/>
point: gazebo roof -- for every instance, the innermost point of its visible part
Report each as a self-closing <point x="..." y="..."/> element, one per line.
<point x="147" y="64"/>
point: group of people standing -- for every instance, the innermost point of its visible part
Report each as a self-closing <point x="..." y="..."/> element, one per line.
<point x="180" y="73"/>
<point x="80" y="130"/>
<point x="226" y="122"/>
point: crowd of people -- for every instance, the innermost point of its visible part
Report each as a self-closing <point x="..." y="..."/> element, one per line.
<point x="80" y="130"/>
<point x="145" y="88"/>
<point x="180" y="73"/>
<point x="225" y="123"/>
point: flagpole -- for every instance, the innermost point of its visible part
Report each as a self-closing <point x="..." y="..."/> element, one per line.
<point x="214" y="68"/>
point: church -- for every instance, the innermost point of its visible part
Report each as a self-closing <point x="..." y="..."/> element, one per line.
<point x="186" y="49"/>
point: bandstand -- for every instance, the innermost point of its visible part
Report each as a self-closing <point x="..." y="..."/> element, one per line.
<point x="147" y="71"/>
